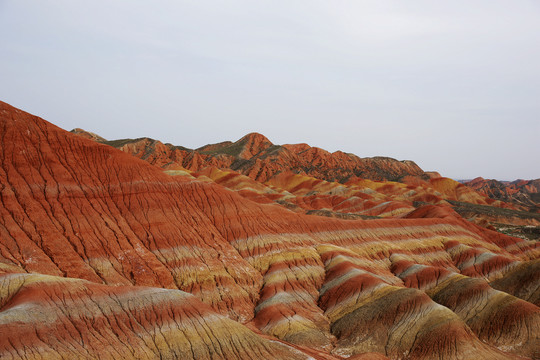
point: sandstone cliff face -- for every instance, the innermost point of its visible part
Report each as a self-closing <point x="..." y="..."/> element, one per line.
<point x="99" y="250"/>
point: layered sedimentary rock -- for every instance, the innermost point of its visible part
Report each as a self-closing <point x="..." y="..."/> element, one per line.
<point x="325" y="176"/>
<point x="369" y="314"/>
<point x="98" y="250"/>
<point x="523" y="281"/>
<point x="524" y="195"/>
<point x="358" y="198"/>
<point x="255" y="156"/>
<point x="453" y="190"/>
<point x="496" y="317"/>
<point x="520" y="192"/>
<point x="52" y="317"/>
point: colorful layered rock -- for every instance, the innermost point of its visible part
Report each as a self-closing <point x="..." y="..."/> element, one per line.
<point x="71" y="207"/>
<point x="520" y="192"/>
<point x="243" y="185"/>
<point x="496" y="317"/>
<point x="51" y="317"/>
<point x="255" y="156"/>
<point x="371" y="187"/>
<point x="523" y="281"/>
<point x="369" y="315"/>
<point x="453" y="190"/>
<point x="314" y="194"/>
<point x="98" y="249"/>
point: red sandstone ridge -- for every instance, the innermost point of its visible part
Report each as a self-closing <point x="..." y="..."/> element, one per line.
<point x="521" y="192"/>
<point x="105" y="255"/>
<point x="255" y="156"/>
<point x="249" y="146"/>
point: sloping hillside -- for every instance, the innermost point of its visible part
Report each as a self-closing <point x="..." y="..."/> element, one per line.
<point x="98" y="250"/>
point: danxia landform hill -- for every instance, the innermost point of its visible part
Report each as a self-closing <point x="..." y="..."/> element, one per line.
<point x="143" y="250"/>
<point x="521" y="192"/>
<point x="314" y="181"/>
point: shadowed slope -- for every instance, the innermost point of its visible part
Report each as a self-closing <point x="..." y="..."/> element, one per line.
<point x="369" y="315"/>
<point x="497" y="318"/>
<point x="523" y="282"/>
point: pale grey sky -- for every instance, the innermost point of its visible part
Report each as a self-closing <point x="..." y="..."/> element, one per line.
<point x="453" y="85"/>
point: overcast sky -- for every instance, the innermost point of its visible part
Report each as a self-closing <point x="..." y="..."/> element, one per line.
<point x="453" y="85"/>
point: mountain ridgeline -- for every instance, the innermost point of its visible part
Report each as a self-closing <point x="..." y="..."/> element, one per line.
<point x="255" y="156"/>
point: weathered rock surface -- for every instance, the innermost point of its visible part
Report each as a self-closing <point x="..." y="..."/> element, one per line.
<point x="496" y="317"/>
<point x="51" y="317"/>
<point x="255" y="156"/>
<point x="521" y="192"/>
<point x="334" y="184"/>
<point x="98" y="250"/>
<point x="523" y="282"/>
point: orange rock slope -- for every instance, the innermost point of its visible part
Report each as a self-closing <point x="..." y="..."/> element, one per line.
<point x="308" y="179"/>
<point x="104" y="255"/>
<point x="525" y="193"/>
<point x="255" y="156"/>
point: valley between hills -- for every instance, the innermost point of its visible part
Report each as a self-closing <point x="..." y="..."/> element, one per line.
<point x="136" y="249"/>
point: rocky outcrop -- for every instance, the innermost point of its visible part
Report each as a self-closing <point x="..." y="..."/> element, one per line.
<point x="370" y="315"/>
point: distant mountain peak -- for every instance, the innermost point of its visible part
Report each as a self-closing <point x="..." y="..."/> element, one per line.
<point x="88" y="135"/>
<point x="252" y="144"/>
<point x="254" y="137"/>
